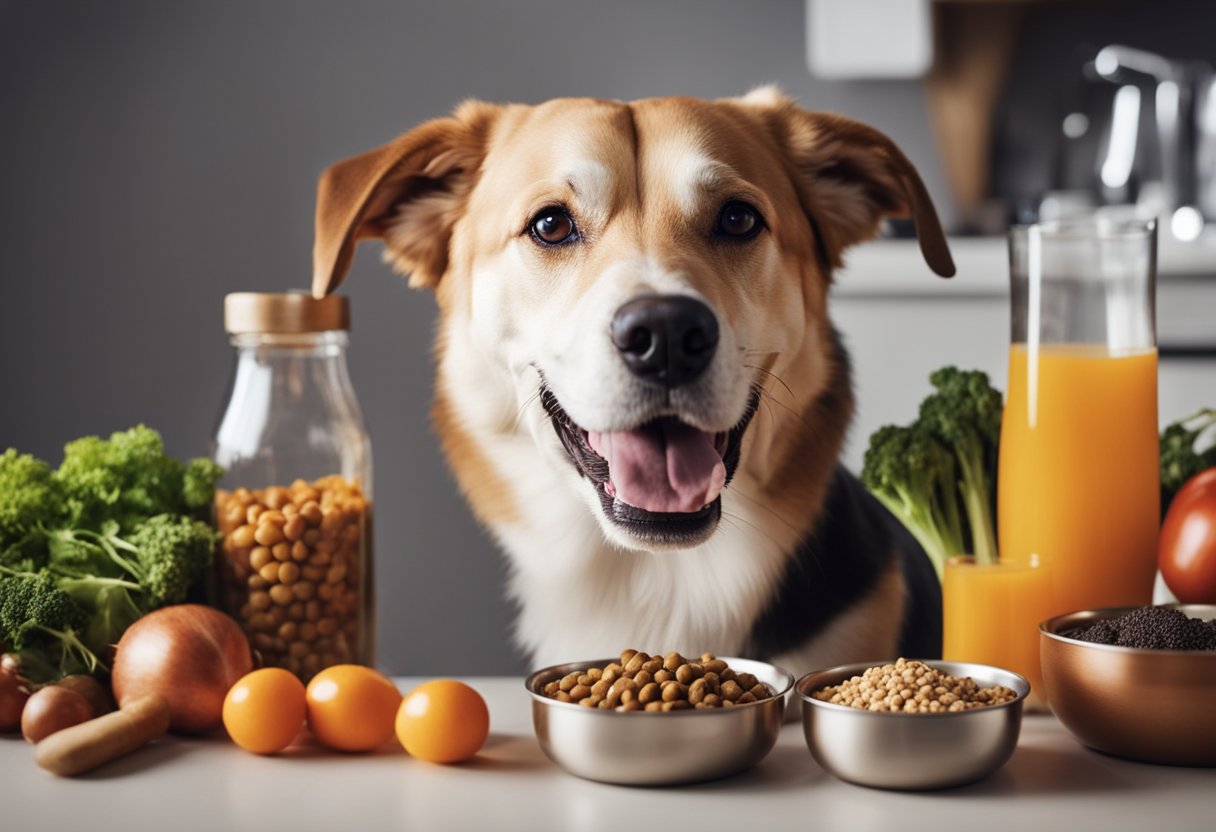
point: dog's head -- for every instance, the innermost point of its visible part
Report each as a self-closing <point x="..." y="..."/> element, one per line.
<point x="630" y="278"/>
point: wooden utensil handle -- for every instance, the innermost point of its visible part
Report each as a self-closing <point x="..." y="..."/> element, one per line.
<point x="88" y="745"/>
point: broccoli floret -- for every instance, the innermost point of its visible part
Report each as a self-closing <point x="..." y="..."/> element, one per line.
<point x="913" y="475"/>
<point x="1188" y="446"/>
<point x="29" y="498"/>
<point x="964" y="415"/>
<point x="126" y="477"/>
<point x="173" y="552"/>
<point x="35" y="614"/>
<point x="198" y="483"/>
<point x="112" y="532"/>
<point x="129" y="477"/>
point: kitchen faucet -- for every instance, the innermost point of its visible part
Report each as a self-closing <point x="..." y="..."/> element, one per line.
<point x="1172" y="195"/>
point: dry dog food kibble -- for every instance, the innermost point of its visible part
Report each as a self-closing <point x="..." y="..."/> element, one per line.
<point x="1152" y="628"/>
<point x="291" y="570"/>
<point x="915" y="688"/>
<point x="641" y="682"/>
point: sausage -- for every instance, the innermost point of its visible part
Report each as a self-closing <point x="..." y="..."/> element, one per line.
<point x="88" y="745"/>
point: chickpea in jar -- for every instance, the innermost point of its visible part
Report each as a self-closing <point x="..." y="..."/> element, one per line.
<point x="290" y="571"/>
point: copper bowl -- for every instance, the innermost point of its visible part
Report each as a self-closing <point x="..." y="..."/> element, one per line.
<point x="1154" y="706"/>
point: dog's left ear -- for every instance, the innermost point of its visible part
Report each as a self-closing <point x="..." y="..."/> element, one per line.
<point x="850" y="177"/>
<point x="409" y="193"/>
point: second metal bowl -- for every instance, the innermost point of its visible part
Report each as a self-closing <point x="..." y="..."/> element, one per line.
<point x="912" y="751"/>
<point x="653" y="749"/>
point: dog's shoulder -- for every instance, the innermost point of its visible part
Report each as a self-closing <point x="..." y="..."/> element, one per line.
<point x="854" y="547"/>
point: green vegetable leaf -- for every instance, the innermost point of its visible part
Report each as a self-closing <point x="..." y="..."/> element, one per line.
<point x="1188" y="446"/>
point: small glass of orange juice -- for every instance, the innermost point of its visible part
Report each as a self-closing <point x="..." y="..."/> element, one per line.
<point x="989" y="612"/>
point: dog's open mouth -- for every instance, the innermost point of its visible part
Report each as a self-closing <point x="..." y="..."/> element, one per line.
<point x="662" y="481"/>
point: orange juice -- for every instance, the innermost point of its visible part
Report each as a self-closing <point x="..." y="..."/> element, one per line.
<point x="991" y="615"/>
<point x="1078" y="483"/>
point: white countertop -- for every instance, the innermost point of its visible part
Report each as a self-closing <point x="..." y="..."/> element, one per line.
<point x="192" y="784"/>
<point x="895" y="267"/>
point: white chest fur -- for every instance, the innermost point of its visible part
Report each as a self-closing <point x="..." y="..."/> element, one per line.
<point x="581" y="597"/>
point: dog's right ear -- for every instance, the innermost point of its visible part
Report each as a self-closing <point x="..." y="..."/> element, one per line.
<point x="409" y="193"/>
<point x="850" y="176"/>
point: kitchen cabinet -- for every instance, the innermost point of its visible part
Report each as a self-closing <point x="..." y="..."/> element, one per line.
<point x="900" y="322"/>
<point x="1051" y="782"/>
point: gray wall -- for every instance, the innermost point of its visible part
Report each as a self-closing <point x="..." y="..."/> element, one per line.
<point x="154" y="156"/>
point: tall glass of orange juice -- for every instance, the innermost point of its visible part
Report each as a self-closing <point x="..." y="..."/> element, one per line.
<point x="1077" y="484"/>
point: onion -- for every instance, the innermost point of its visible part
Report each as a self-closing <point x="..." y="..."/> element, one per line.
<point x="93" y="691"/>
<point x="52" y="709"/>
<point x="13" y="695"/>
<point x="188" y="654"/>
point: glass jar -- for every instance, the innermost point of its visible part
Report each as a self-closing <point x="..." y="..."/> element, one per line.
<point x="295" y="503"/>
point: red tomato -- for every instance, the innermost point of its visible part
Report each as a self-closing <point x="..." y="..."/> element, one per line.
<point x="1186" y="553"/>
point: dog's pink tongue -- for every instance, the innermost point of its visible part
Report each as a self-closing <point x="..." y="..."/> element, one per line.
<point x="663" y="467"/>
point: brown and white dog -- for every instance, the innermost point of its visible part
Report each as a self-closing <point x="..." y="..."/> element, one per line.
<point x="639" y="388"/>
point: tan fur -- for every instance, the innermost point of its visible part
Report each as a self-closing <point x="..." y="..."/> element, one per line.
<point x="488" y="494"/>
<point x="434" y="165"/>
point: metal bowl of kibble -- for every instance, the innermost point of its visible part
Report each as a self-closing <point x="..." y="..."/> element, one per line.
<point x="1148" y="702"/>
<point x="656" y="747"/>
<point x="912" y="744"/>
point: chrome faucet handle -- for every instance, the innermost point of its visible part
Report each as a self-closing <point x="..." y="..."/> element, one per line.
<point x="1115" y="59"/>
<point x="1173" y="108"/>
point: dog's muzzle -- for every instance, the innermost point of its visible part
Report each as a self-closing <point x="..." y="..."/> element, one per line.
<point x="661" y="480"/>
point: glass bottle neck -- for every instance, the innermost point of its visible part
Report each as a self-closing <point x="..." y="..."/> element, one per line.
<point x="292" y="412"/>
<point x="331" y="343"/>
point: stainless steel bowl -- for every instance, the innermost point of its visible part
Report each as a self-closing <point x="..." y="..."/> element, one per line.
<point x="1155" y="706"/>
<point x="638" y="748"/>
<point x="912" y="751"/>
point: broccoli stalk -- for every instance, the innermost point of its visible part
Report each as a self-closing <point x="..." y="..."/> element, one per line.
<point x="913" y="475"/>
<point x="964" y="415"/>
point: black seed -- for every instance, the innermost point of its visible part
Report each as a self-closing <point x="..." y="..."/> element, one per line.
<point x="1152" y="628"/>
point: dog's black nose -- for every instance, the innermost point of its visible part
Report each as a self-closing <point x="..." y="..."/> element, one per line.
<point x="667" y="339"/>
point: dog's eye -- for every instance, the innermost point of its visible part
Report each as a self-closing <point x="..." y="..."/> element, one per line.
<point x="552" y="226"/>
<point x="738" y="219"/>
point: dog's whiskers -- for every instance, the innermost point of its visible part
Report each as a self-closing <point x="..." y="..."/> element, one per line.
<point x="519" y="414"/>
<point x="737" y="519"/>
<point x="767" y="397"/>
<point x="777" y="378"/>
<point x="760" y="504"/>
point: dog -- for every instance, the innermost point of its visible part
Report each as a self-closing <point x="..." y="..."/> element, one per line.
<point x="639" y="388"/>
